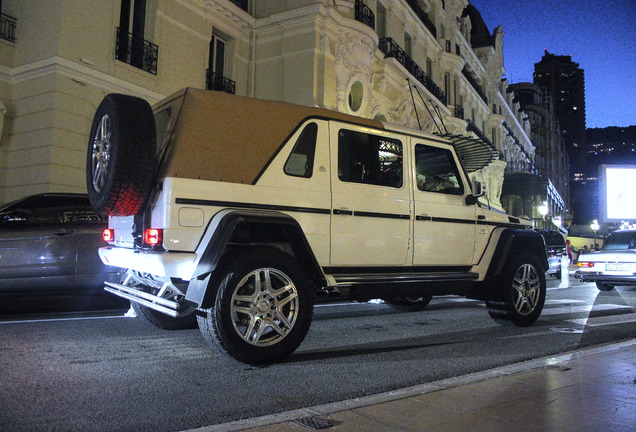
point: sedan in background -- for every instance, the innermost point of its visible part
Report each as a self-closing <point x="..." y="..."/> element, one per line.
<point x="614" y="265"/>
<point x="50" y="241"/>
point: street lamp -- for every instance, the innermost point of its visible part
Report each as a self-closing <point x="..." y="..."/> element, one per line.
<point x="595" y="227"/>
<point x="543" y="211"/>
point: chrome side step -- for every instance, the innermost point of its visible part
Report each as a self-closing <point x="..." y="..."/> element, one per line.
<point x="160" y="304"/>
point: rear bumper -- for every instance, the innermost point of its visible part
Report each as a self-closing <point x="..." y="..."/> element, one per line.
<point x="171" y="264"/>
<point x="610" y="279"/>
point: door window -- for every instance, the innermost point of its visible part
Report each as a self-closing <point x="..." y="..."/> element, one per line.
<point x="369" y="159"/>
<point x="436" y="171"/>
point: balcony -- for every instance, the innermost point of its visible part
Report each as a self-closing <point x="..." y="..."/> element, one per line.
<point x="475" y="85"/>
<point x="392" y="49"/>
<point x="7" y="27"/>
<point x="147" y="61"/>
<point x="364" y="14"/>
<point x="214" y="81"/>
<point x="423" y="16"/>
<point x="515" y="166"/>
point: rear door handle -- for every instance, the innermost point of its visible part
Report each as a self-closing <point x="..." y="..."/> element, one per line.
<point x="342" y="212"/>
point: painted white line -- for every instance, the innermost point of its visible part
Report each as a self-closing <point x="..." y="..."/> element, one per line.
<point x="564" y="301"/>
<point x="579" y="309"/>
<point x="29" y="321"/>
<point x="605" y="320"/>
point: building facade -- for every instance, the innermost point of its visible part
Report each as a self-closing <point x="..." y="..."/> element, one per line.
<point x="426" y="64"/>
<point x="543" y="186"/>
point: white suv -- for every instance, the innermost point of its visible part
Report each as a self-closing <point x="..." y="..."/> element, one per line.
<point x="243" y="213"/>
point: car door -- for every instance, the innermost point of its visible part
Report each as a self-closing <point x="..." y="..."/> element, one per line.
<point x="445" y="226"/>
<point x="370" y="222"/>
<point x="37" y="248"/>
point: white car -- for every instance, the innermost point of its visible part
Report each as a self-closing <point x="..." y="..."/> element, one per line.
<point x="240" y="213"/>
<point x="614" y="265"/>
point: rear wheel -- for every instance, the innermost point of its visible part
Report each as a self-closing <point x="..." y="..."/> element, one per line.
<point x="604" y="286"/>
<point x="263" y="306"/>
<point x="408" y="304"/>
<point x="520" y="293"/>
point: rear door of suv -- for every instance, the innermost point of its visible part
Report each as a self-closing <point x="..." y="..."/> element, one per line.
<point x="371" y="206"/>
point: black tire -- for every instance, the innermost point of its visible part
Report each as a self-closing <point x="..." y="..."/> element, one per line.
<point x="121" y="157"/>
<point x="604" y="286"/>
<point x="258" y="326"/>
<point x="519" y="297"/>
<point x="164" y="321"/>
<point x="408" y="304"/>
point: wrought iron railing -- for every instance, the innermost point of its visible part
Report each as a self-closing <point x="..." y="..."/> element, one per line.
<point x="392" y="49"/>
<point x="364" y="14"/>
<point x="7" y="27"/>
<point x="475" y="85"/>
<point x="148" y="59"/>
<point x="215" y="81"/>
<point x="521" y="166"/>
<point x="241" y="3"/>
<point x="423" y="16"/>
<point x="472" y="127"/>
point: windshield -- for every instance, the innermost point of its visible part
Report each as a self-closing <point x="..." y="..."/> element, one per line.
<point x="621" y="241"/>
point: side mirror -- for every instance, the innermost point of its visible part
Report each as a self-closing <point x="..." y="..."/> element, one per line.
<point x="479" y="190"/>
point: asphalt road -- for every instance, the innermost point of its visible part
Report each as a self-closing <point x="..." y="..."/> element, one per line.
<point x="101" y="371"/>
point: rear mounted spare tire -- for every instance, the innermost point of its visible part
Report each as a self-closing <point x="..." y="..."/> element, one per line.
<point x="121" y="158"/>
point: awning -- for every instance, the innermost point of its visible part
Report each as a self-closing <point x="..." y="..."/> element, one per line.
<point x="473" y="152"/>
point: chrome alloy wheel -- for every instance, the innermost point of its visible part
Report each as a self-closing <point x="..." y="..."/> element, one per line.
<point x="264" y="307"/>
<point x="101" y="153"/>
<point x="526" y="286"/>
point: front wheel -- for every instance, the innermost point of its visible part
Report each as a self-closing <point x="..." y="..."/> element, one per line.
<point x="263" y="306"/>
<point x="520" y="294"/>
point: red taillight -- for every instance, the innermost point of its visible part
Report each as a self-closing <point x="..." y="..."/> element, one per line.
<point x="108" y="235"/>
<point x="153" y="237"/>
<point x="586" y="264"/>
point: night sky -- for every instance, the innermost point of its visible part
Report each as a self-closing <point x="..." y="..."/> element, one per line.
<point x="600" y="35"/>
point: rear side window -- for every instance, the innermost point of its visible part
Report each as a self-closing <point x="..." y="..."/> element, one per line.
<point x="436" y="170"/>
<point x="300" y="162"/>
<point x="369" y="159"/>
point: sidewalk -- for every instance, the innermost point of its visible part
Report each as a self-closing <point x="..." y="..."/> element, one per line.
<point x="588" y="390"/>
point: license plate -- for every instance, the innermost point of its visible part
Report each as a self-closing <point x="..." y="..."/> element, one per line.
<point x="618" y="267"/>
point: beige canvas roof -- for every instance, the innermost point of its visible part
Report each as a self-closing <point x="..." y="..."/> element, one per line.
<point x="223" y="137"/>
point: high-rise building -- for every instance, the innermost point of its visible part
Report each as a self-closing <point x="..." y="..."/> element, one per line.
<point x="563" y="82"/>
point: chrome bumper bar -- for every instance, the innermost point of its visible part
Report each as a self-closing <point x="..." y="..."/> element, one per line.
<point x="160" y="304"/>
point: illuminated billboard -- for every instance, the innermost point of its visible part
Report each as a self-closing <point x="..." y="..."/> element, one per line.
<point x="618" y="193"/>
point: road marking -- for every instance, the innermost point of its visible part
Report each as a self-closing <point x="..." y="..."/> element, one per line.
<point x="25" y="321"/>
<point x="564" y="301"/>
<point x="579" y="309"/>
<point x="605" y="320"/>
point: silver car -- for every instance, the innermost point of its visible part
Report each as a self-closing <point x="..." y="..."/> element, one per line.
<point x="614" y="265"/>
<point x="50" y="241"/>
